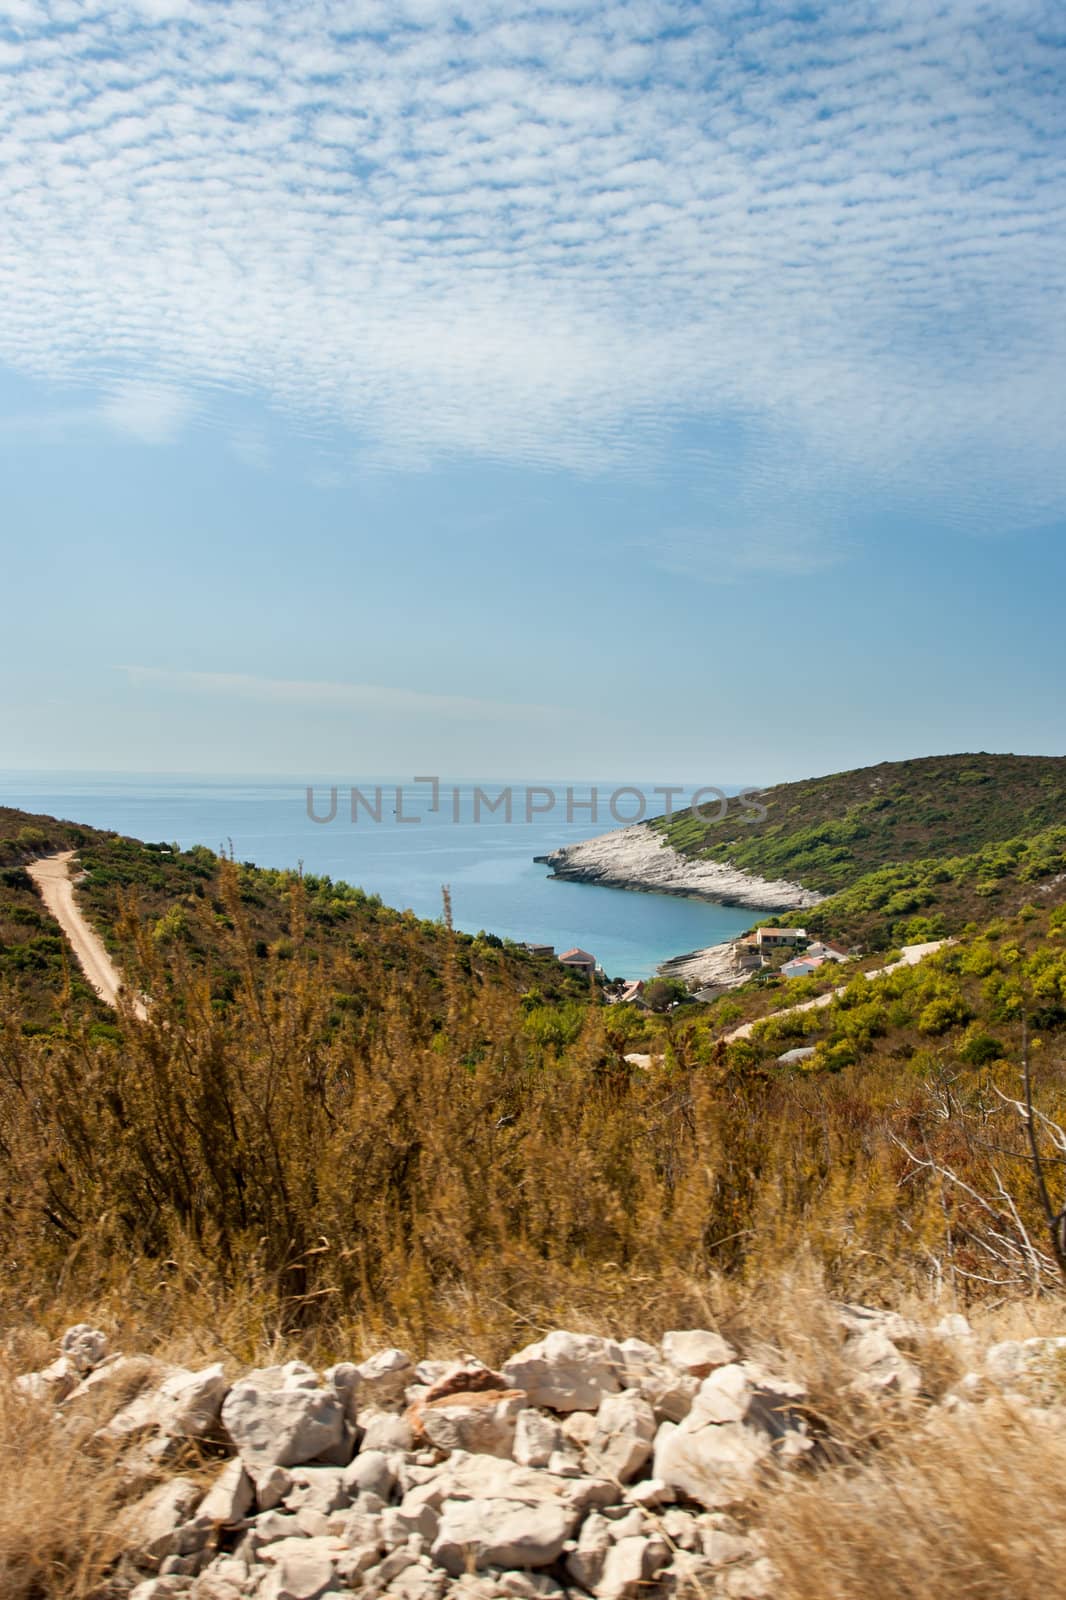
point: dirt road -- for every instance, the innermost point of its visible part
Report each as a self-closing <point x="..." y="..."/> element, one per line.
<point x="52" y="876"/>
<point x="910" y="954"/>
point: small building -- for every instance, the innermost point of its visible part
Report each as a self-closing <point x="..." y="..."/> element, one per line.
<point x="632" y="993"/>
<point x="539" y="949"/>
<point x="580" y="960"/>
<point x="779" y="938"/>
<point x="801" y="966"/>
<point x="828" y="952"/>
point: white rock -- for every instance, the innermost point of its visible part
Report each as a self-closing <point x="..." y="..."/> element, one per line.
<point x="346" y="1383"/>
<point x="475" y="1423"/>
<point x="651" y="1492"/>
<point x="954" y="1327"/>
<point x="274" y="1425"/>
<point x="681" y="1528"/>
<point x="567" y="1371"/>
<point x="856" y="1319"/>
<point x="372" y="1470"/>
<point x="169" y="1588"/>
<point x="186" y="1405"/>
<point x="229" y="1498"/>
<point x="478" y="1477"/>
<point x="384" y="1430"/>
<point x="271" y="1487"/>
<point x="879" y="1366"/>
<point x="269" y="1528"/>
<point x="155" y="1524"/>
<point x="668" y="1391"/>
<point x="630" y="1566"/>
<point x="84" y="1346"/>
<point x="625" y="1522"/>
<point x="758" y="1581"/>
<point x="226" y="1578"/>
<point x="417" y="1582"/>
<point x="536" y="1438"/>
<point x="696" y="1351"/>
<point x="622" y="1442"/>
<point x="724" y="1549"/>
<point x="384" y="1377"/>
<point x="301" y="1569"/>
<point x="1033" y="1367"/>
<point x="398" y="1525"/>
<point x="586" y="1557"/>
<point x="500" y="1533"/>
<point x="322" y="1489"/>
<point x="527" y="1586"/>
<point x="739" y="1416"/>
<point x="52" y="1384"/>
<point x="578" y="1427"/>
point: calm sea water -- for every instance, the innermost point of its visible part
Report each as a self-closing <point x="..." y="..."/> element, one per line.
<point x="488" y="865"/>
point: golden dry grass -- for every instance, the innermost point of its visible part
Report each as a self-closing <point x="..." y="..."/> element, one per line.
<point x="968" y="1510"/>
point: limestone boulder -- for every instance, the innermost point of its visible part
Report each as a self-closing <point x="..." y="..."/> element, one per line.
<point x="483" y="1421"/>
<point x="696" y="1351"/>
<point x="501" y="1533"/>
<point x="567" y="1371"/>
<point x="278" y="1417"/>
<point x="623" y="1439"/>
<point x="185" y="1405"/>
<point x="383" y="1378"/>
<point x="740" y="1418"/>
<point x="158" y="1524"/>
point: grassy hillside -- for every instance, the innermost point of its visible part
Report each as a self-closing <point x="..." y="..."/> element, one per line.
<point x="335" y="1112"/>
<point x="171" y="917"/>
<point x="827" y="833"/>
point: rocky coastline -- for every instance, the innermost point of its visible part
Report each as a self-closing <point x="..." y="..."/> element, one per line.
<point x="638" y="858"/>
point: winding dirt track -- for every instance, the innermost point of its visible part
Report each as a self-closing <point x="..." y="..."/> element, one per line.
<point x="910" y="955"/>
<point x="52" y="876"/>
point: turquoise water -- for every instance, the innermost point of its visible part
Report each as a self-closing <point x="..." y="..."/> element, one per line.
<point x="488" y="865"/>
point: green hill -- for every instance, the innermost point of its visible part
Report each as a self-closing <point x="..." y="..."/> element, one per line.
<point x="905" y="849"/>
<point x="172" y="916"/>
<point x="826" y="833"/>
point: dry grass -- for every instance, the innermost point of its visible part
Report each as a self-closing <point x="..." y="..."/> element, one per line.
<point x="57" y="1509"/>
<point x="967" y="1510"/>
<point x="906" y="1500"/>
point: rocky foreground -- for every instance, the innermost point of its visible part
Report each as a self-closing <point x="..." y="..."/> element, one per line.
<point x="584" y="1466"/>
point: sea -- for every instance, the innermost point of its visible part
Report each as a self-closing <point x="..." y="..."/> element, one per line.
<point x="407" y="843"/>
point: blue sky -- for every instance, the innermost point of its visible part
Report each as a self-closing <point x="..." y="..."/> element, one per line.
<point x="569" y="390"/>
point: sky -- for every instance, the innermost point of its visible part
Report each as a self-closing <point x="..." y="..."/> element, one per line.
<point x="516" y="391"/>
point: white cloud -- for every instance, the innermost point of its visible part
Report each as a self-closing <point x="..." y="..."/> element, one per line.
<point x="546" y="233"/>
<point x="374" y="698"/>
<point x="150" y="412"/>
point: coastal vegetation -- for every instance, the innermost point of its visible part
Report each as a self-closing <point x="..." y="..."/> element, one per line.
<point x="338" y="1126"/>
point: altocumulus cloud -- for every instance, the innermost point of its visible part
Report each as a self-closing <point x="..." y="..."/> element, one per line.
<point x="548" y="234"/>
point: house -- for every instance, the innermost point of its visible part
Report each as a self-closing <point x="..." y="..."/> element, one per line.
<point x="580" y="960"/>
<point x="539" y="949"/>
<point x="828" y="952"/>
<point x="632" y="993"/>
<point x="779" y="938"/>
<point x="801" y="966"/>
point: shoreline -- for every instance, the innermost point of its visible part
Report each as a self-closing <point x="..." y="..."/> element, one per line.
<point x="637" y="858"/>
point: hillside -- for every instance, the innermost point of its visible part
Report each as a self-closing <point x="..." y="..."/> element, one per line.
<point x="827" y="833"/>
<point x="171" y="916"/>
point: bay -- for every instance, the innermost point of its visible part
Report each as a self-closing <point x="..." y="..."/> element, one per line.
<point x="487" y="863"/>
